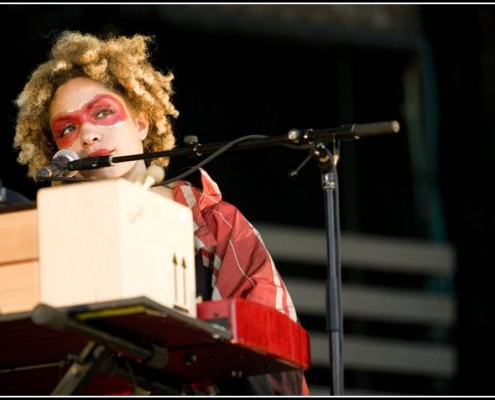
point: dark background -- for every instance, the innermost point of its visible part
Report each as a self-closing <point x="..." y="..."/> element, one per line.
<point x="243" y="70"/>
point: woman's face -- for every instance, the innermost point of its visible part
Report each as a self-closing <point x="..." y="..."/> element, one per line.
<point x="91" y="120"/>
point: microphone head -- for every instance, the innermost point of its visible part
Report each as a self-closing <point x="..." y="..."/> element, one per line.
<point x="58" y="167"/>
<point x="67" y="154"/>
<point x="61" y="158"/>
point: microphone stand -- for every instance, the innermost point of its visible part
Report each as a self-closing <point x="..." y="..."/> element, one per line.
<point x="307" y="138"/>
<point x="327" y="163"/>
<point x="296" y="138"/>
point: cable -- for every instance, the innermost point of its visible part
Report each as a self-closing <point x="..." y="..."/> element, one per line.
<point x="210" y="158"/>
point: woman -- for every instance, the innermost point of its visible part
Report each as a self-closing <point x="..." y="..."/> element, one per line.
<point x="100" y="97"/>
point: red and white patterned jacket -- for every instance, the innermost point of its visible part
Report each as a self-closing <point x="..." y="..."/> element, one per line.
<point x="237" y="260"/>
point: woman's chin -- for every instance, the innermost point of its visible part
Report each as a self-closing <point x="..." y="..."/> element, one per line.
<point x="101" y="174"/>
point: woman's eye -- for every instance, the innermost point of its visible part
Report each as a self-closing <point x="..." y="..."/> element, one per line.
<point x="66" y="130"/>
<point x="103" y="112"/>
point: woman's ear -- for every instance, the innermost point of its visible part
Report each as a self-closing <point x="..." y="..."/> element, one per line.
<point x="143" y="123"/>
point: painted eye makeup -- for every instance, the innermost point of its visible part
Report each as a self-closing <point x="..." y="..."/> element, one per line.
<point x="66" y="130"/>
<point x="103" y="110"/>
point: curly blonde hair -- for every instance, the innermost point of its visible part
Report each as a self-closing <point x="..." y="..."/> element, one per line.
<point x="121" y="64"/>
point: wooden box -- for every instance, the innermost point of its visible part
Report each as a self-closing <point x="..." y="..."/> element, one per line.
<point x="19" y="267"/>
<point x="102" y="241"/>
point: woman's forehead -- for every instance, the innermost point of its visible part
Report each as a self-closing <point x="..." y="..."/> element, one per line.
<point x="77" y="92"/>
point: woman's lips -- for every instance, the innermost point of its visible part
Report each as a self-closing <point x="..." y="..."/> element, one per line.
<point x="101" y="152"/>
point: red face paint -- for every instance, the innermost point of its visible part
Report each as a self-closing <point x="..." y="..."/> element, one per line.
<point x="103" y="110"/>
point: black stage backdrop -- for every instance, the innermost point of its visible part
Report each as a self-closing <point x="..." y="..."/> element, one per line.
<point x="234" y="77"/>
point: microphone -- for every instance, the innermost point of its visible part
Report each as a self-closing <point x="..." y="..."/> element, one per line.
<point x="58" y="166"/>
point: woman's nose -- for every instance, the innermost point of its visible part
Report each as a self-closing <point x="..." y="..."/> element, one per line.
<point x="89" y="134"/>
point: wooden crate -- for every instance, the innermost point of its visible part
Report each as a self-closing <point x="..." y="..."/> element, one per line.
<point x="95" y="242"/>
